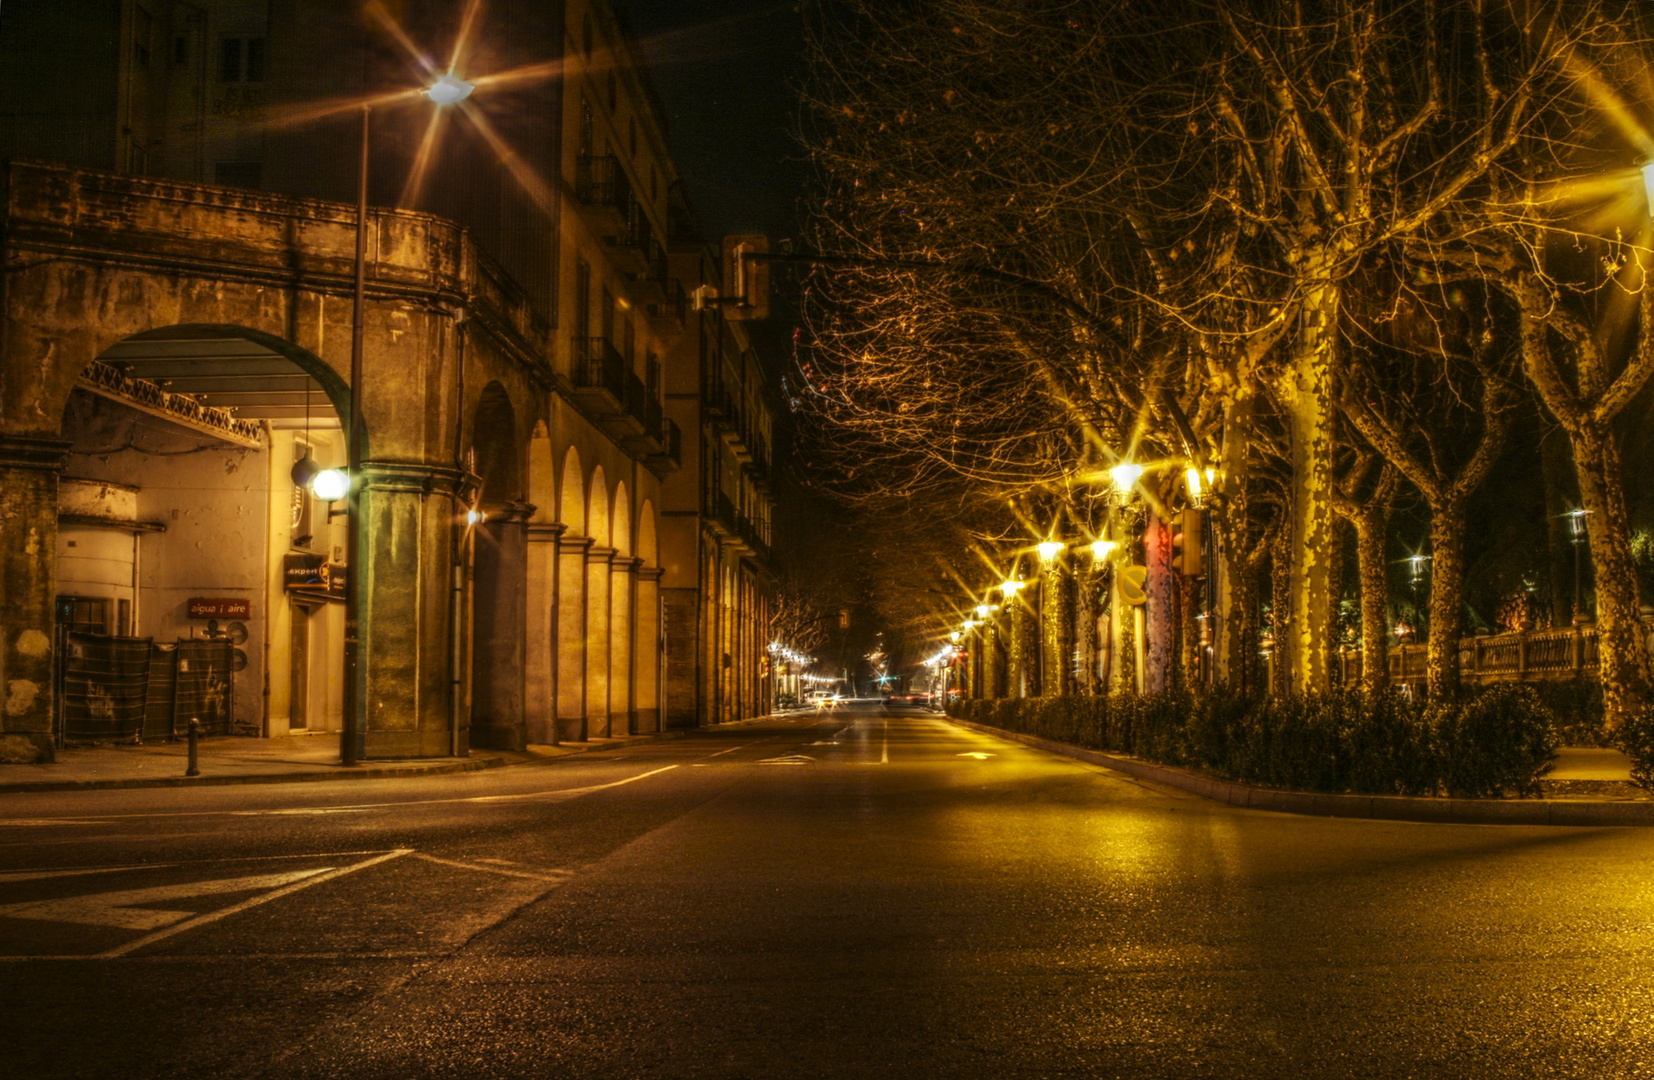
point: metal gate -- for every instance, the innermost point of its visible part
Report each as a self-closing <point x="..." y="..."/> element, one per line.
<point x="114" y="689"/>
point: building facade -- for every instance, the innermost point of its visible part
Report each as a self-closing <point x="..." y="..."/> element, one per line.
<point x="176" y="355"/>
<point x="718" y="512"/>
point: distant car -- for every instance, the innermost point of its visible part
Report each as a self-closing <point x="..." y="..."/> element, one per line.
<point x="821" y="699"/>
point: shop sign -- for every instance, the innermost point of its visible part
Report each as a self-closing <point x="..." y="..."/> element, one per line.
<point x="201" y="607"/>
<point x="304" y="571"/>
<point x="335" y="578"/>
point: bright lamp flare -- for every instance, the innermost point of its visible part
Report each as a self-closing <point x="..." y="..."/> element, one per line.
<point x="1102" y="549"/>
<point x="330" y="485"/>
<point x="982" y="610"/>
<point x="1010" y="588"/>
<point x="449" y="90"/>
<point x="1125" y="476"/>
<point x="1648" y="185"/>
<point x="1050" y="550"/>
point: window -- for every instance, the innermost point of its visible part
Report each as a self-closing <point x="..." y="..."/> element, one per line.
<point x="143" y="29"/>
<point x="608" y="315"/>
<point x="83" y="614"/>
<point x="243" y="174"/>
<point x="582" y="299"/>
<point x="241" y="60"/>
<point x="587" y="141"/>
<point x="629" y="340"/>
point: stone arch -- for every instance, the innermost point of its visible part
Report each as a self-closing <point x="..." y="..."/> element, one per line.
<point x="597" y="508"/>
<point x="542" y="474"/>
<point x="647" y="545"/>
<point x="494" y="439"/>
<point x="621" y="521"/>
<point x="572" y="502"/>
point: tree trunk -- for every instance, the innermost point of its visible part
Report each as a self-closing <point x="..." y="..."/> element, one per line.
<point x="1334" y="643"/>
<point x="1281" y="595"/>
<point x="1371" y="529"/>
<point x="1446" y="599"/>
<point x="1624" y="669"/>
<point x="1122" y="644"/>
<point x="1188" y="623"/>
<point x="1085" y="626"/>
<point x="1310" y="415"/>
<point x="1160" y="610"/>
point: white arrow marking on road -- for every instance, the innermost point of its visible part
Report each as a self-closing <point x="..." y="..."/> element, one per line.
<point x="120" y="909"/>
<point x="977" y="754"/>
<point x="789" y="759"/>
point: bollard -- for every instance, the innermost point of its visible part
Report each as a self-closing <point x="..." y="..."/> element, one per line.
<point x="195" y="738"/>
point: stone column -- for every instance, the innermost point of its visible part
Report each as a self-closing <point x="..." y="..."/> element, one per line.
<point x="572" y="602"/>
<point x="29" y="470"/>
<point x="409" y="514"/>
<point x="646" y="652"/>
<point x="598" y="607"/>
<point x="499" y="651"/>
<point x="540" y="670"/>
<point x="622" y="625"/>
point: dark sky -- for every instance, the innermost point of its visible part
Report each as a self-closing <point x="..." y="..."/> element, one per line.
<point x="724" y="70"/>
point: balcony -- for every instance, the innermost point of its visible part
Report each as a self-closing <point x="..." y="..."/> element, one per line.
<point x="666" y="316"/>
<point x="599" y="375"/>
<point x="652" y="283"/>
<point x="625" y="424"/>
<point x="721" y="518"/>
<point x="670" y="457"/>
<point x="633" y="245"/>
<point x="604" y="193"/>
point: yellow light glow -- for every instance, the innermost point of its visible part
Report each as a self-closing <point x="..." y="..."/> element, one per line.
<point x="1102" y="549"/>
<point x="954" y="636"/>
<point x="1192" y="477"/>
<point x="1648" y="185"/>
<point x="983" y="610"/>
<point x="1050" y="550"/>
<point x="1125" y="476"/>
<point x="1010" y="588"/>
<point x="449" y="90"/>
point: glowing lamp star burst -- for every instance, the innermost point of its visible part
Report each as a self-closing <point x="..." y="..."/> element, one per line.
<point x="330" y="485"/>
<point x="448" y="90"/>
<point x="1049" y="550"/>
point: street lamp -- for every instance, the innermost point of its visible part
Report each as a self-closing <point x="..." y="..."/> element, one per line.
<point x="1049" y="550"/>
<point x="1124" y="478"/>
<point x="1102" y="549"/>
<point x="1011" y="588"/>
<point x="446" y="90"/>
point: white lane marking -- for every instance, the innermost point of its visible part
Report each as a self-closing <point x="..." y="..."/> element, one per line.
<point x="977" y="754"/>
<point x="35" y="822"/>
<point x="120" y="909"/>
<point x="233" y="909"/>
<point x="731" y="750"/>
<point x="555" y="877"/>
<point x="789" y="759"/>
<point x="884" y="758"/>
<point x="39" y="875"/>
<point x="563" y="793"/>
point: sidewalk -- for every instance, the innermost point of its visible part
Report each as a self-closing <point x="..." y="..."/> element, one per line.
<point x="229" y="759"/>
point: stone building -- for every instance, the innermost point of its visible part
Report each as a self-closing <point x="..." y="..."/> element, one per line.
<point x="180" y="234"/>
<point x="718" y="511"/>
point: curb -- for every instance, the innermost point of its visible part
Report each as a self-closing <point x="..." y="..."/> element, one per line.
<point x="1570" y="812"/>
<point x="341" y="773"/>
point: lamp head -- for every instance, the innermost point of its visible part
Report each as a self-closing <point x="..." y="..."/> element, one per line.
<point x="1124" y="477"/>
<point x="1010" y="588"/>
<point x="448" y="90"/>
<point x="983" y="610"/>
<point x="1049" y="550"/>
<point x="330" y="485"/>
<point x="1102" y="549"/>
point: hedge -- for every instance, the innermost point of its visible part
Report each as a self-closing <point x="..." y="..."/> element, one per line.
<point x="1495" y="741"/>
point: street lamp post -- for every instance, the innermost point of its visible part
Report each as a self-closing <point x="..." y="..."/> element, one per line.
<point x="446" y="90"/>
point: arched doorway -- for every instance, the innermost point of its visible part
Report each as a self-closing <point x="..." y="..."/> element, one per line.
<point x="187" y="550"/>
<point x="499" y="553"/>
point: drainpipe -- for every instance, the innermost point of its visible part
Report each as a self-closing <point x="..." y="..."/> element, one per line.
<point x="462" y="531"/>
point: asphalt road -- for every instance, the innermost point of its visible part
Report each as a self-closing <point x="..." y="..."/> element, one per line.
<point x="850" y="894"/>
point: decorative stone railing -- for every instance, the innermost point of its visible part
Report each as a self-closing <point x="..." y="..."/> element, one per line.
<point x="1565" y="653"/>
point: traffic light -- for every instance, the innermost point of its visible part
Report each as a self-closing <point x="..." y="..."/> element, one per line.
<point x="1188" y="558"/>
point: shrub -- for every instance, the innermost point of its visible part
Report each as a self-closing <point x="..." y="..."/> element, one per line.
<point x="1636" y="738"/>
<point x="1494" y="740"/>
<point x="1499" y="738"/>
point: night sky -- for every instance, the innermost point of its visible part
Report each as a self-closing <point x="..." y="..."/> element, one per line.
<point x="725" y="71"/>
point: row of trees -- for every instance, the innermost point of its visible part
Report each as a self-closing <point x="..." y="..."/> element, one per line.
<point x="1329" y="250"/>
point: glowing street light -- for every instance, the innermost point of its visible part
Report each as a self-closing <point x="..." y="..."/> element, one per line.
<point x="1124" y="477"/>
<point x="448" y="90"/>
<point x="983" y="611"/>
<point x="1049" y="550"/>
<point x="1102" y="549"/>
<point x="1199" y="484"/>
<point x="330" y="485"/>
<point x="1011" y="588"/>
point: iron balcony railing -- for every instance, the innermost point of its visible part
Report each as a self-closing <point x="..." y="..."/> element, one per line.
<point x="637" y="401"/>
<point x="599" y="366"/>
<point x="599" y="180"/>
